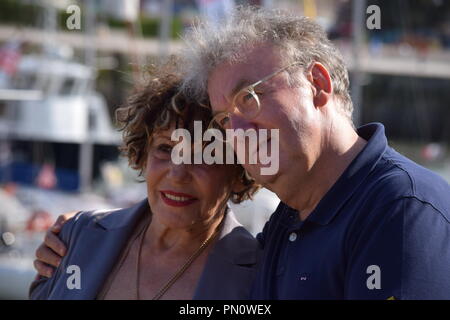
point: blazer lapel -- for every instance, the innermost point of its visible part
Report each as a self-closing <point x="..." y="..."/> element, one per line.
<point x="231" y="265"/>
<point x="96" y="250"/>
<point x="228" y="272"/>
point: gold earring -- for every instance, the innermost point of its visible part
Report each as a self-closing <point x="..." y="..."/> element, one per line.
<point x="174" y="105"/>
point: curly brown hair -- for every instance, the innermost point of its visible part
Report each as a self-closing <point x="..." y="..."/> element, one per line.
<point x="156" y="106"/>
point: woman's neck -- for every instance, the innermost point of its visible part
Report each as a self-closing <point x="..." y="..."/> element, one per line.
<point x="162" y="239"/>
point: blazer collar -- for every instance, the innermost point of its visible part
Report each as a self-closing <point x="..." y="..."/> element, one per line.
<point x="235" y="254"/>
<point x="236" y="249"/>
<point x="120" y="218"/>
<point x="96" y="250"/>
<point x="239" y="248"/>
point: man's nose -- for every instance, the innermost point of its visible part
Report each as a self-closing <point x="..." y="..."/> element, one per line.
<point x="239" y="122"/>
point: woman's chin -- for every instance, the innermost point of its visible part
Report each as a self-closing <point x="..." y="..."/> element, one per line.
<point x="175" y="219"/>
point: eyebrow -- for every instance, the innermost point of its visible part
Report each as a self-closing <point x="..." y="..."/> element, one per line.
<point x="239" y="86"/>
<point x="161" y="136"/>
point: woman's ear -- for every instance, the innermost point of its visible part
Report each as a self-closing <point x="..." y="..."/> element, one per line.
<point x="320" y="79"/>
<point x="238" y="184"/>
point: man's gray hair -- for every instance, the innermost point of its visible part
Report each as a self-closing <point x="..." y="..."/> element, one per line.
<point x="299" y="39"/>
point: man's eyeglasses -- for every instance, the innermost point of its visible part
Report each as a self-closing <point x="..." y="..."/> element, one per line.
<point x="246" y="102"/>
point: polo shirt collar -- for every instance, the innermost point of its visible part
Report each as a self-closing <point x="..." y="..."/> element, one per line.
<point x="353" y="176"/>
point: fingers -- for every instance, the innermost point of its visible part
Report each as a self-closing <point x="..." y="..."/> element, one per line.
<point x="53" y="242"/>
<point x="61" y="220"/>
<point x="49" y="253"/>
<point x="43" y="269"/>
<point x="48" y="256"/>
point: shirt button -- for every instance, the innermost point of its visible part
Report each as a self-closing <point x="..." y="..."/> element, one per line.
<point x="293" y="237"/>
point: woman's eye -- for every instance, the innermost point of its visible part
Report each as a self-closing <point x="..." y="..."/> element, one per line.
<point x="166" y="148"/>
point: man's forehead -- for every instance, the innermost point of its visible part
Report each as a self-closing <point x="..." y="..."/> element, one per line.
<point x="251" y="62"/>
<point x="228" y="77"/>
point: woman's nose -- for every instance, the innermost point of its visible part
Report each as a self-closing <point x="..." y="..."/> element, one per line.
<point x="180" y="173"/>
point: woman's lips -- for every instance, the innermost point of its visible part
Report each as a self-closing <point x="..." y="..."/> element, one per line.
<point x="177" y="199"/>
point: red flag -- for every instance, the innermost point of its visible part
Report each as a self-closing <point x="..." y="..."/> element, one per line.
<point x="10" y="57"/>
<point x="46" y="178"/>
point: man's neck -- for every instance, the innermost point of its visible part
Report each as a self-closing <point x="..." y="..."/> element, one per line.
<point x="344" y="147"/>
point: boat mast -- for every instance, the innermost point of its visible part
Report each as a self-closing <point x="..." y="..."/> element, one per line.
<point x="358" y="28"/>
<point x="86" y="153"/>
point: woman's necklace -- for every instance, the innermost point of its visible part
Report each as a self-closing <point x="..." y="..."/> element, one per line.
<point x="180" y="272"/>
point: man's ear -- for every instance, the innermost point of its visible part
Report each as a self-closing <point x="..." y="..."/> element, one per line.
<point x="322" y="87"/>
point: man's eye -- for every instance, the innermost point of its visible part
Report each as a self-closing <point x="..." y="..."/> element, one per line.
<point x="247" y="96"/>
<point x="259" y="93"/>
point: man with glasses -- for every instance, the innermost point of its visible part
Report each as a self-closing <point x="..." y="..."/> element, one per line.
<point x="357" y="220"/>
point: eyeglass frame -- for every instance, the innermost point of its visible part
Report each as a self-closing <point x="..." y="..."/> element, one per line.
<point x="251" y="89"/>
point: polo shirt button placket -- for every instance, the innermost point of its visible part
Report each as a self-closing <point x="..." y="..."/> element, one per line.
<point x="293" y="237"/>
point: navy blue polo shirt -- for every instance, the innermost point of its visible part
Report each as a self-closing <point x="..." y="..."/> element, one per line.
<point x="381" y="232"/>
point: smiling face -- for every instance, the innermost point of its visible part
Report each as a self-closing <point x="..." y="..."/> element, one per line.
<point x="187" y="195"/>
<point x="289" y="109"/>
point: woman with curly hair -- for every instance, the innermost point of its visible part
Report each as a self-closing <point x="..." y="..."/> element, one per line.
<point x="181" y="242"/>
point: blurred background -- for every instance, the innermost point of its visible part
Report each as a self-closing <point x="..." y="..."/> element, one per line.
<point x="65" y="69"/>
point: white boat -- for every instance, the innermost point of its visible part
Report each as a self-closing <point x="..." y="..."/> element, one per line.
<point x="63" y="115"/>
<point x="49" y="106"/>
<point x="65" y="110"/>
